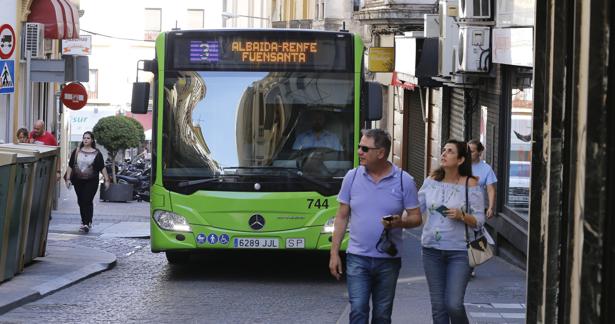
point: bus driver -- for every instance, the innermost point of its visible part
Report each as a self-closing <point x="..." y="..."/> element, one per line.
<point x="317" y="136"/>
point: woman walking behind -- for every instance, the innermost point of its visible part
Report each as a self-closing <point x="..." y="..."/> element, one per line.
<point x="445" y="253"/>
<point x="85" y="163"/>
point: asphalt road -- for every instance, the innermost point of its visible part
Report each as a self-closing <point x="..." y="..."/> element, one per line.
<point x="213" y="288"/>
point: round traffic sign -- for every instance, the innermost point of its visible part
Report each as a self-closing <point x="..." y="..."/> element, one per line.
<point x="74" y="96"/>
<point x="7" y="41"/>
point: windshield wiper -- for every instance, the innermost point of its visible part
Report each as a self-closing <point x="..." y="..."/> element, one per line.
<point x="292" y="171"/>
<point x="313" y="180"/>
<point x="189" y="183"/>
<point x="258" y="168"/>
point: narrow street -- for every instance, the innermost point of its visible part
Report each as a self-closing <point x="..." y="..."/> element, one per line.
<point x="233" y="287"/>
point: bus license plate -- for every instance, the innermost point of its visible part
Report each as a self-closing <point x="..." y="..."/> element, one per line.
<point x="256" y="243"/>
<point x="295" y="243"/>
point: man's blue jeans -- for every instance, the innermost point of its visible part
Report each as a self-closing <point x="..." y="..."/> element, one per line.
<point x="375" y="277"/>
<point x="448" y="273"/>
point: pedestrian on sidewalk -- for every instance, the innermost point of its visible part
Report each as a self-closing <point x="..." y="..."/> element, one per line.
<point x="375" y="196"/>
<point x="445" y="254"/>
<point x="485" y="175"/>
<point x="85" y="163"/>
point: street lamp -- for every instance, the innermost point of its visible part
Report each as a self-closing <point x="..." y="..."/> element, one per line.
<point x="227" y="15"/>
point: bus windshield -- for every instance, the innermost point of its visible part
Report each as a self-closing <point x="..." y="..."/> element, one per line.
<point x="234" y="126"/>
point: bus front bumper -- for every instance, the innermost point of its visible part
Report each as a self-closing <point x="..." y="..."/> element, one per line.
<point x="207" y="237"/>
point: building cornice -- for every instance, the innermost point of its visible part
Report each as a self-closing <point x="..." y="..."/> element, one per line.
<point x="394" y="15"/>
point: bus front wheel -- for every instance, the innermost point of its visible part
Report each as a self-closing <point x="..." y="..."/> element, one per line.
<point x="174" y="257"/>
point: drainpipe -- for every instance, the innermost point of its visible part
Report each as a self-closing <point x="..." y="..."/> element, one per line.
<point x="28" y="103"/>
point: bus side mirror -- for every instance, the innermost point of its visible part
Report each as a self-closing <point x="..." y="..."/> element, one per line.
<point x="372" y="102"/>
<point x="140" y="97"/>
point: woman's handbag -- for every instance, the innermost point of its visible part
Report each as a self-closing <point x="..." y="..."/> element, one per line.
<point x="479" y="250"/>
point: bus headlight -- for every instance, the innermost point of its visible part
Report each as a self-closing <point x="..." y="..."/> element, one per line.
<point x="171" y="221"/>
<point x="329" y="226"/>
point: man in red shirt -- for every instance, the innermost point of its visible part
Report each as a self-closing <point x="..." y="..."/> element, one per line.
<point x="40" y="136"/>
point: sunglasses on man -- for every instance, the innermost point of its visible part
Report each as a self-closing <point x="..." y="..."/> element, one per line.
<point x="366" y="149"/>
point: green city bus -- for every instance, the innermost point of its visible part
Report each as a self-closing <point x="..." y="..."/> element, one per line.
<point x="253" y="132"/>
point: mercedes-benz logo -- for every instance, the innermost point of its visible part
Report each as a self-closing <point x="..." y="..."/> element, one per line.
<point x="256" y="222"/>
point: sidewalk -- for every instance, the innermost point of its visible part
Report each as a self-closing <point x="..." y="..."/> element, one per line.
<point x="66" y="262"/>
<point x="495" y="295"/>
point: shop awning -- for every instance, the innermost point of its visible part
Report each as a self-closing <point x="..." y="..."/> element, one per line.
<point x="60" y="17"/>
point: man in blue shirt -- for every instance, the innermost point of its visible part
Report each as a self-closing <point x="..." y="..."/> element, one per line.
<point x="317" y="136"/>
<point x="375" y="189"/>
<point x="486" y="177"/>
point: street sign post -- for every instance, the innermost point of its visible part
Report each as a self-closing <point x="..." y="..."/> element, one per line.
<point x="74" y="96"/>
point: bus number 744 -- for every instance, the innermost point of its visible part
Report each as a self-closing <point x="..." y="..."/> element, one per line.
<point x="317" y="203"/>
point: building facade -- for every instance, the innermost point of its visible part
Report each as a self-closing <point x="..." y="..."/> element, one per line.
<point x="34" y="30"/>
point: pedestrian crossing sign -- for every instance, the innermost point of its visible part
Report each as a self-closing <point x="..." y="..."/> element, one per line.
<point x="7" y="76"/>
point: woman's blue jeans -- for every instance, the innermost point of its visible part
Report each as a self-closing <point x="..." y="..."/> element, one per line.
<point x="448" y="273"/>
<point x="375" y="277"/>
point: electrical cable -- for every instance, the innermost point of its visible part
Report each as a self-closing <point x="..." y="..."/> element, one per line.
<point x="115" y="37"/>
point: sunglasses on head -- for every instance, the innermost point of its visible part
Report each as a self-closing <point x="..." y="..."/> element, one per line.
<point x="366" y="149"/>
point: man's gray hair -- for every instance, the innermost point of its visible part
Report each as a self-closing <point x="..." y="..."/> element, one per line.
<point x="382" y="138"/>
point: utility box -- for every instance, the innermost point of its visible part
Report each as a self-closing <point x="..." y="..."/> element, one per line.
<point x="473" y="53"/>
<point x="416" y="59"/>
<point x="449" y="35"/>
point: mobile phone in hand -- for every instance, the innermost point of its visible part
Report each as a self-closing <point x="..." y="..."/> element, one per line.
<point x="387" y="218"/>
<point x="442" y="210"/>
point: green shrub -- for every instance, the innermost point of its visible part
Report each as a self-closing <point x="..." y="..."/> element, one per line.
<point x="117" y="133"/>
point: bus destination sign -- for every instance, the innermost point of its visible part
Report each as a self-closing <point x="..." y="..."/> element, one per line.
<point x="321" y="52"/>
<point x="255" y="52"/>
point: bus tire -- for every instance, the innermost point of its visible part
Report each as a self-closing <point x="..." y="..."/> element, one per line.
<point x="174" y="257"/>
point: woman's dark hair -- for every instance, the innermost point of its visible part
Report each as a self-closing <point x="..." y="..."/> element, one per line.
<point x="382" y="138"/>
<point x="465" y="169"/>
<point x="479" y="146"/>
<point x="22" y="131"/>
<point x="91" y="136"/>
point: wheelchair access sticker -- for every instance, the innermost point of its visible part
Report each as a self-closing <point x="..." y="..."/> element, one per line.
<point x="224" y="239"/>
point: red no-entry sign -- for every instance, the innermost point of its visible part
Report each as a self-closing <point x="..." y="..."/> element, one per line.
<point x="7" y="41"/>
<point x="74" y="96"/>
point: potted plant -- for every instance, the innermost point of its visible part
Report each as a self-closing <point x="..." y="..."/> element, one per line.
<point x="116" y="134"/>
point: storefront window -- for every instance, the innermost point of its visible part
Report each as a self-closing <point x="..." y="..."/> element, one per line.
<point x="520" y="159"/>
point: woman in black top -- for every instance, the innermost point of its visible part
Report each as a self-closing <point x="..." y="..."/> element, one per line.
<point x="83" y="168"/>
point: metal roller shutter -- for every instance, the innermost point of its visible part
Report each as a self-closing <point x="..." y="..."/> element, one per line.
<point x="457" y="121"/>
<point x="416" y="136"/>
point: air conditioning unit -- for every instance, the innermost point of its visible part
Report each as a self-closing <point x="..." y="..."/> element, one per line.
<point x="431" y="25"/>
<point x="449" y="34"/>
<point x="473" y="49"/>
<point x="34" y="40"/>
<point x="474" y="9"/>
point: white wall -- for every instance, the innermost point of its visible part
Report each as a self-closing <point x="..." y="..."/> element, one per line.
<point x="8" y="15"/>
<point x="116" y="57"/>
<point x="338" y="9"/>
<point x="253" y="8"/>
